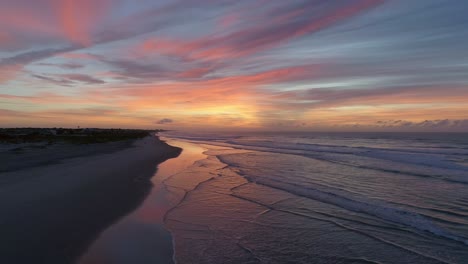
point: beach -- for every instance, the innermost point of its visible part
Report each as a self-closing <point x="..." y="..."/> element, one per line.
<point x="226" y="132"/>
<point x="270" y="198"/>
<point x="142" y="236"/>
<point x="51" y="212"/>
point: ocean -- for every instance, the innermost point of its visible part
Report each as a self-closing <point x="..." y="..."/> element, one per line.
<point x="324" y="198"/>
<point x="302" y="198"/>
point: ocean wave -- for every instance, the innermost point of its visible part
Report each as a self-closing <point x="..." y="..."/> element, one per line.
<point x="422" y="162"/>
<point x="377" y="209"/>
<point x="339" y="177"/>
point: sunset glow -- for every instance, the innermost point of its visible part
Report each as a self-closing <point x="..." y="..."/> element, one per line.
<point x="352" y="65"/>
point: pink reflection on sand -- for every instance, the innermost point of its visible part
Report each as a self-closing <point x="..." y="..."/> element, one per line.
<point x="141" y="236"/>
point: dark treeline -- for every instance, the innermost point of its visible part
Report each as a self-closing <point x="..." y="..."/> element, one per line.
<point x="70" y="135"/>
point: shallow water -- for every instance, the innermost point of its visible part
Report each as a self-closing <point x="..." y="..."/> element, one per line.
<point x="349" y="198"/>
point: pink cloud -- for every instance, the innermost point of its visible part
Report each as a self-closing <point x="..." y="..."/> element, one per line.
<point x="260" y="35"/>
<point x="71" y="20"/>
<point x="228" y="20"/>
<point x="8" y="72"/>
<point x="77" y="18"/>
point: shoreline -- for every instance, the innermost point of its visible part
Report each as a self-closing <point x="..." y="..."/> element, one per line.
<point x="230" y="210"/>
<point x="70" y="203"/>
<point x="188" y="220"/>
<point x="142" y="236"/>
<point x="202" y="207"/>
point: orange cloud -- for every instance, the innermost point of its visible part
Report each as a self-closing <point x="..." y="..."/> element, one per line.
<point x="215" y="103"/>
<point x="204" y="79"/>
<point x="220" y="88"/>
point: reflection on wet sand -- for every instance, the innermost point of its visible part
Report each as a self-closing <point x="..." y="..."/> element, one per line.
<point x="140" y="237"/>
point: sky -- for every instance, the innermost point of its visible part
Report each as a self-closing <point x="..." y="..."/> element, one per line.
<point x="306" y="65"/>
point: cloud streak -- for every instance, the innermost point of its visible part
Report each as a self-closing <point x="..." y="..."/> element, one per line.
<point x="298" y="20"/>
<point x="303" y="64"/>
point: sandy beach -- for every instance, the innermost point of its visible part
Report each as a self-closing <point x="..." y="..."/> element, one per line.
<point x="51" y="212"/>
<point x="235" y="200"/>
<point x="143" y="236"/>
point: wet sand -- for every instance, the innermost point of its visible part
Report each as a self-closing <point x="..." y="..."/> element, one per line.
<point x="141" y="237"/>
<point x="52" y="213"/>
